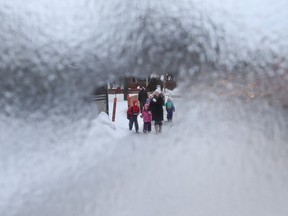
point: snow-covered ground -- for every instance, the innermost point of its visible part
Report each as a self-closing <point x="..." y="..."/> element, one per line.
<point x="217" y="158"/>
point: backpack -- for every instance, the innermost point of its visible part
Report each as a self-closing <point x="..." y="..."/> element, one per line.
<point x="169" y="105"/>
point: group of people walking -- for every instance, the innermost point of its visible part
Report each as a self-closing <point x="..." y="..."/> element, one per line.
<point x="151" y="109"/>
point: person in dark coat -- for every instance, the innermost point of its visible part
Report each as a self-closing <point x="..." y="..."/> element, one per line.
<point x="142" y="97"/>
<point x="156" y="107"/>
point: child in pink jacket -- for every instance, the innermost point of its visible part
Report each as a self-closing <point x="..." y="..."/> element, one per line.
<point x="147" y="118"/>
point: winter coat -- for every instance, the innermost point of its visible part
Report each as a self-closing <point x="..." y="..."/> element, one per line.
<point x="147" y="115"/>
<point x="134" y="110"/>
<point x="156" y="107"/>
<point x="169" y="105"/>
<point x="142" y="96"/>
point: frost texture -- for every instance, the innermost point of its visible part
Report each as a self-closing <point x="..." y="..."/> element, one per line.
<point x="53" y="50"/>
<point x="226" y="153"/>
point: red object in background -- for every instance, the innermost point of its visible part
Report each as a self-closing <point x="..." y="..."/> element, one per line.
<point x="114" y="109"/>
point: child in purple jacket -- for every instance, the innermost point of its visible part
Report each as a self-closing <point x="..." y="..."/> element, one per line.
<point x="147" y="118"/>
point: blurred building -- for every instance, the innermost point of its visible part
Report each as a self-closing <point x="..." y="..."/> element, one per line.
<point x="165" y="81"/>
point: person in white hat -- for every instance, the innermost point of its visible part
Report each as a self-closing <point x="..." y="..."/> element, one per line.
<point x="156" y="108"/>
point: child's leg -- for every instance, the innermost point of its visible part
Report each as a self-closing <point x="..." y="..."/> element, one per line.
<point x="136" y="124"/>
<point x="130" y="123"/>
<point x="169" y="114"/>
<point x="149" y="126"/>
<point x="145" y="127"/>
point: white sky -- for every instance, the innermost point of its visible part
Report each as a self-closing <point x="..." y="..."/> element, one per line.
<point x="259" y="18"/>
<point x="264" y="17"/>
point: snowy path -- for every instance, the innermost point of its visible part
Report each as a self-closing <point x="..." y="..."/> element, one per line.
<point x="211" y="161"/>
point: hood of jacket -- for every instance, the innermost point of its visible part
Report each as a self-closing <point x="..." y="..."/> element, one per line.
<point x="135" y="103"/>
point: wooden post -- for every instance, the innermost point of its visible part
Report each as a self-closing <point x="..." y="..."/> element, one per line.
<point x="114" y="109"/>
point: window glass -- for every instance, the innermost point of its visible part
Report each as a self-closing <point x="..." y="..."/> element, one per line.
<point x="216" y="69"/>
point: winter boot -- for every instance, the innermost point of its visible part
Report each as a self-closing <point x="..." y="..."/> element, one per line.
<point x="157" y="128"/>
<point x="160" y="129"/>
